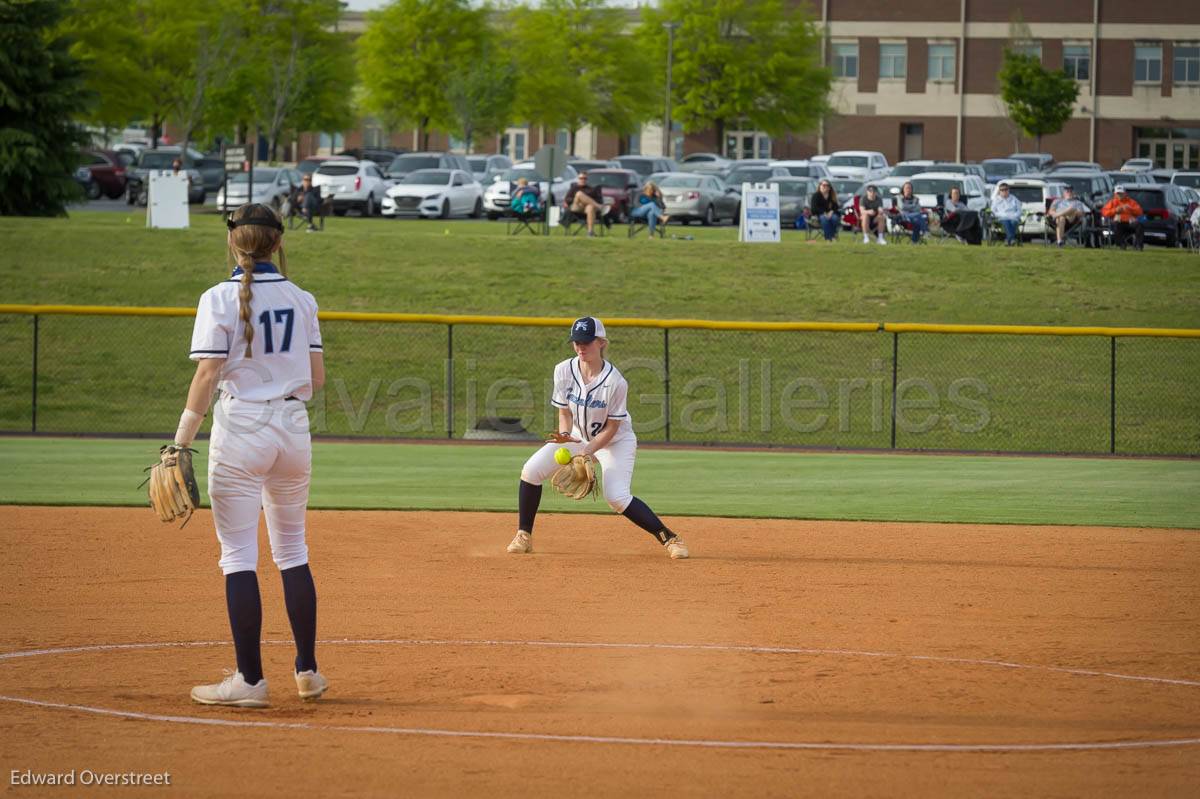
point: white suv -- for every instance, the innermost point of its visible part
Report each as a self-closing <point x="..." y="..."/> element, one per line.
<point x="352" y="184"/>
<point x="932" y="186"/>
<point x="861" y="165"/>
<point x="1035" y="195"/>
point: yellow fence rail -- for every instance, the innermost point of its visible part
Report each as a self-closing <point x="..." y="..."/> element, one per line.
<point x="656" y="324"/>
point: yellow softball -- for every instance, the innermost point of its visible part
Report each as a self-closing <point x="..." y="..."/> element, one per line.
<point x="562" y="455"/>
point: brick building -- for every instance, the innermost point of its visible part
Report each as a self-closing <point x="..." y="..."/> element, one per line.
<point x="917" y="79"/>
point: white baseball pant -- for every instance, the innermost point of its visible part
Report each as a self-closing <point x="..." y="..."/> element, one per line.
<point x="260" y="458"/>
<point x="616" y="468"/>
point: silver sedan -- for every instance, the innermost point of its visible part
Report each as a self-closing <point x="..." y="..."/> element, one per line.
<point x="698" y="196"/>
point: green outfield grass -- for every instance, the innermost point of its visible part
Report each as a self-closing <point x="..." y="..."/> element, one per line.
<point x="931" y="488"/>
<point x="427" y="266"/>
<point x="1042" y="394"/>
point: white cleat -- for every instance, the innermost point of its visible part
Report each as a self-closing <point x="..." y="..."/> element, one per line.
<point x="311" y="684"/>
<point x="866" y="239"/>
<point x="882" y="240"/>
<point x="677" y="549"/>
<point x="522" y="543"/>
<point x="233" y="691"/>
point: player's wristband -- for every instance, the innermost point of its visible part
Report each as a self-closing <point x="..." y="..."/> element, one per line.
<point x="189" y="425"/>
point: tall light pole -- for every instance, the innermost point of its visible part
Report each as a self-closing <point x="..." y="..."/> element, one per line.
<point x="668" y="130"/>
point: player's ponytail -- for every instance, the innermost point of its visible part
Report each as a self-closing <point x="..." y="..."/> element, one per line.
<point x="245" y="294"/>
<point x="249" y="244"/>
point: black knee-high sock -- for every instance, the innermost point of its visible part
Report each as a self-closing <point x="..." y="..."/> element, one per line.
<point x="640" y="514"/>
<point x="300" y="597"/>
<point x="529" y="496"/>
<point x="245" y="620"/>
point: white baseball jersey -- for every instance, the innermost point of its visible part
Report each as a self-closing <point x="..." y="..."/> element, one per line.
<point x="592" y="404"/>
<point x="285" y="332"/>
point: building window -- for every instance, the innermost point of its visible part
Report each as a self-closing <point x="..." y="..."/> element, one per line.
<point x="747" y="144"/>
<point x="1077" y="61"/>
<point x="845" y="59"/>
<point x="331" y="142"/>
<point x="373" y="133"/>
<point x="941" y="62"/>
<point x="1147" y="63"/>
<point x="512" y="143"/>
<point x="893" y="60"/>
<point x="1187" y="63"/>
<point x="1032" y="49"/>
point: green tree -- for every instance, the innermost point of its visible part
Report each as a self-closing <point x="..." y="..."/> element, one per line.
<point x="409" y="51"/>
<point x="296" y="71"/>
<point x="133" y="57"/>
<point x="753" y="60"/>
<point x="1039" y="100"/>
<point x="480" y="94"/>
<point x="578" y="65"/>
<point x="41" y="92"/>
<point x="105" y="43"/>
<point x="205" y="37"/>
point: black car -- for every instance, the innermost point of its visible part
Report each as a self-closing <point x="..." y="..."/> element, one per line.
<point x="380" y="155"/>
<point x="1093" y="188"/>
<point x="1164" y="208"/>
<point x="212" y="173"/>
<point x="401" y="165"/>
<point x="137" y="186"/>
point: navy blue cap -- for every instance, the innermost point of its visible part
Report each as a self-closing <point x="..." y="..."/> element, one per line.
<point x="587" y="329"/>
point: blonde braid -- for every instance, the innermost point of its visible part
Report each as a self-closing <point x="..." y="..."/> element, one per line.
<point x="246" y="262"/>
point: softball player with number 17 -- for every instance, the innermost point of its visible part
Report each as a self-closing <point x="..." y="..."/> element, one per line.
<point x="257" y="340"/>
<point x="593" y="421"/>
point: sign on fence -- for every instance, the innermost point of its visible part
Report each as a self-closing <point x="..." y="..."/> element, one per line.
<point x="760" y="213"/>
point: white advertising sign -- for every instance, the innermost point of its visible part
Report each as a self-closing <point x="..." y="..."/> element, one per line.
<point x="168" y="201"/>
<point x="760" y="213"/>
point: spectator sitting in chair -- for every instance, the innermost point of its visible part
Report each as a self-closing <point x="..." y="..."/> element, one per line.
<point x="1065" y="211"/>
<point x="960" y="220"/>
<point x="650" y="206"/>
<point x="824" y="206"/>
<point x="526" y="199"/>
<point x="872" y="215"/>
<point x="1125" y="213"/>
<point x="912" y="212"/>
<point x="1007" y="210"/>
<point x="587" y="200"/>
<point x="306" y="201"/>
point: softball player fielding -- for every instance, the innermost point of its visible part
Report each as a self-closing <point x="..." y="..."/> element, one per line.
<point x="257" y="340"/>
<point x="593" y="420"/>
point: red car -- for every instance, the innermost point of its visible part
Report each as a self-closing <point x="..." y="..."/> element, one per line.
<point x="619" y="187"/>
<point x="108" y="172"/>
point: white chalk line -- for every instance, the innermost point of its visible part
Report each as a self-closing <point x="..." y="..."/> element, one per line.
<point x="768" y="650"/>
<point x="603" y="739"/>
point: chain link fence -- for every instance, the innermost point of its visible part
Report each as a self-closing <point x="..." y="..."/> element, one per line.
<point x="854" y="387"/>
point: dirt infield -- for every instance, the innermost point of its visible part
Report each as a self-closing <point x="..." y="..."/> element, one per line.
<point x="789" y="658"/>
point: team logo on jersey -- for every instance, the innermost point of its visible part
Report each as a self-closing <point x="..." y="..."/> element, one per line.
<point x="591" y="403"/>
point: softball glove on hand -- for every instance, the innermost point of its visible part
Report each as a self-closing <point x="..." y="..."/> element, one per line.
<point x="576" y="479"/>
<point x="174" y="493"/>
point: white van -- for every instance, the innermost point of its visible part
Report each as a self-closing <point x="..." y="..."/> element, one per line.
<point x="861" y="165"/>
